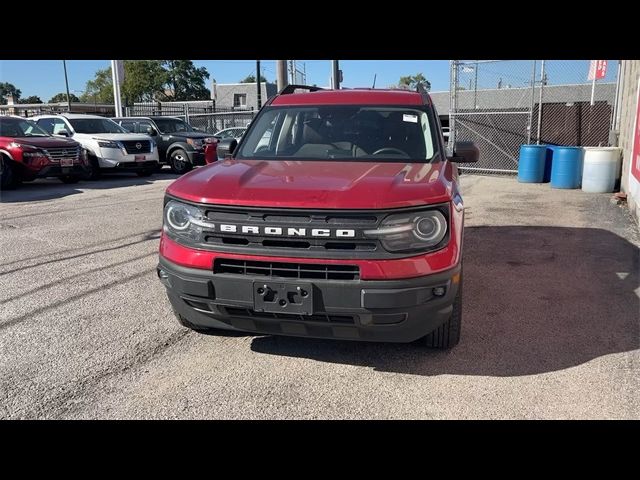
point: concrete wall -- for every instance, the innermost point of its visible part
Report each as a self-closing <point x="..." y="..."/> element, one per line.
<point x="226" y="91"/>
<point x="629" y="90"/>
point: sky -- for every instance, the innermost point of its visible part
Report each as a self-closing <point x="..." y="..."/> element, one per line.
<point x="45" y="78"/>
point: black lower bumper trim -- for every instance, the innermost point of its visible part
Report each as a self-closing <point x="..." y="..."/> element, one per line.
<point x="385" y="310"/>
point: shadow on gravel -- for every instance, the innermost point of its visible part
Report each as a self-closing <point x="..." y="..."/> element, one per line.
<point x="537" y="299"/>
<point x="50" y="188"/>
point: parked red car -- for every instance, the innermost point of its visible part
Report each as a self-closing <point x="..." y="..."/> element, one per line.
<point x="338" y="215"/>
<point x="27" y="152"/>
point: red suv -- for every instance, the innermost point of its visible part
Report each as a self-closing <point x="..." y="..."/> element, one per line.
<point x="27" y="152"/>
<point x="338" y="215"/>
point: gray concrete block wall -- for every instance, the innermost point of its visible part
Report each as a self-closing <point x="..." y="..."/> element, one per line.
<point x="630" y="75"/>
<point x="226" y="92"/>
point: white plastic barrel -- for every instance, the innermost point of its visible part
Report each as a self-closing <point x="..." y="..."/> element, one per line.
<point x="600" y="169"/>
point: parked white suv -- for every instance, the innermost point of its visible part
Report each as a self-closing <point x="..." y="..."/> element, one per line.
<point x="110" y="148"/>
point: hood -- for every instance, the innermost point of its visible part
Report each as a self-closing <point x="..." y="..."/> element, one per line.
<point x="190" y="134"/>
<point x="315" y="184"/>
<point x="47" y="142"/>
<point x="114" y="136"/>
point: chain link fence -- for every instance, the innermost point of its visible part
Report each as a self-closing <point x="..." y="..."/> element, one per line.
<point x="503" y="104"/>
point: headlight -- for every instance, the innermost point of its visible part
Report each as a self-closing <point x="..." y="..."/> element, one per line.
<point x="183" y="220"/>
<point x="195" y="142"/>
<point x="411" y="231"/>
<point x="109" y="144"/>
<point x="37" y="153"/>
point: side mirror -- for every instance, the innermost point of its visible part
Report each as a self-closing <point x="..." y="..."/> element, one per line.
<point x="64" y="132"/>
<point x="151" y="131"/>
<point x="465" y="152"/>
<point x="226" y="147"/>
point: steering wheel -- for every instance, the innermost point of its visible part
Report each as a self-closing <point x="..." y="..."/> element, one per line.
<point x="390" y="150"/>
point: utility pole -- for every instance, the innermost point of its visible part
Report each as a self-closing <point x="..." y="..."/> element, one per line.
<point x="281" y="70"/>
<point x="258" y="83"/>
<point x="335" y="74"/>
<point x="66" y="82"/>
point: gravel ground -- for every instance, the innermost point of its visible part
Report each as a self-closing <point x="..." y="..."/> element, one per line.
<point x="551" y="323"/>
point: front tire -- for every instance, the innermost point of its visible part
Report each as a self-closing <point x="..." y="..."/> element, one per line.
<point x="10" y="178"/>
<point x="179" y="162"/>
<point x="447" y="335"/>
<point x="94" y="168"/>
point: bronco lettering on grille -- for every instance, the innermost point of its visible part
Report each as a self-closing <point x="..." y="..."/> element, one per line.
<point x="282" y="231"/>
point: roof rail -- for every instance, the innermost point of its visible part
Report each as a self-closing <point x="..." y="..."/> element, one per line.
<point x="292" y="88"/>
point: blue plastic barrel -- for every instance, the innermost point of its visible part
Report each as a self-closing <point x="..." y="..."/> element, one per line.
<point x="566" y="167"/>
<point x="531" y="163"/>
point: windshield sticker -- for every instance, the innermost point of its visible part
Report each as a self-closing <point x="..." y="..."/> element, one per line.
<point x="410" y="118"/>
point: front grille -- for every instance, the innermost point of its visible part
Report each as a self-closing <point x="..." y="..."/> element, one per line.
<point x="287" y="270"/>
<point x="56" y="153"/>
<point x="317" y="317"/>
<point x="131" y="146"/>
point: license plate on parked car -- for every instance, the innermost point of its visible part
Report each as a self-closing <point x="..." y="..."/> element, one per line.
<point x="66" y="162"/>
<point x="139" y="158"/>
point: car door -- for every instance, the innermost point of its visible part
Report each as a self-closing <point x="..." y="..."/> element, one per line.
<point x="162" y="145"/>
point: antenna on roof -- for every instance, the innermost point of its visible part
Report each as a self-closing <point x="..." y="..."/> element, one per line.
<point x="374" y="80"/>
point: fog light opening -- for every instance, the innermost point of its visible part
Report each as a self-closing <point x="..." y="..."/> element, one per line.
<point x="439" y="291"/>
<point x="162" y="274"/>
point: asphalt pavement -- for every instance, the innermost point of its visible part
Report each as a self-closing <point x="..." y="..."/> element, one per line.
<point x="551" y="319"/>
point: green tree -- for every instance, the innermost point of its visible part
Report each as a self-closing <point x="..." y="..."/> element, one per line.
<point x="412" y="81"/>
<point x="252" y="79"/>
<point x="62" y="97"/>
<point x="144" y="80"/>
<point x="185" y="81"/>
<point x="100" y="89"/>
<point x="31" y="99"/>
<point x="7" y="88"/>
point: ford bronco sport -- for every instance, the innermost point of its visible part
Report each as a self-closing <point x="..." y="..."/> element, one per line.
<point x="345" y="223"/>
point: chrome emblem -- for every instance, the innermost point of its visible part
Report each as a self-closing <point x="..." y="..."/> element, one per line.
<point x="138" y="145"/>
<point x="64" y="153"/>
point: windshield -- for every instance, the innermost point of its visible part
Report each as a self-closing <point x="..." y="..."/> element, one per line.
<point x="15" y="127"/>
<point x="95" y="125"/>
<point x="340" y="132"/>
<point x="172" y="125"/>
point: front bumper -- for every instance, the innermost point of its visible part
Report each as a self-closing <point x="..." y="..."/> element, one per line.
<point x="113" y="158"/>
<point x="197" y="157"/>
<point x="58" y="171"/>
<point x="370" y="310"/>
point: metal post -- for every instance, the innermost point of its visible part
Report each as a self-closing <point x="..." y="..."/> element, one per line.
<point x="335" y="74"/>
<point x="593" y="89"/>
<point x="540" y="100"/>
<point x="66" y="82"/>
<point x="533" y="101"/>
<point x="258" y="83"/>
<point x="453" y="104"/>
<point x="281" y="70"/>
<point x="115" y="76"/>
<point x="475" y="88"/>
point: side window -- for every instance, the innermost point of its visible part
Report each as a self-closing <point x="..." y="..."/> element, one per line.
<point x="58" y="124"/>
<point x="143" y="126"/>
<point x="46" y="124"/>
<point x="128" y="125"/>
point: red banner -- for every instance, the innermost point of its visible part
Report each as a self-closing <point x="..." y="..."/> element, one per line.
<point x="598" y="69"/>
